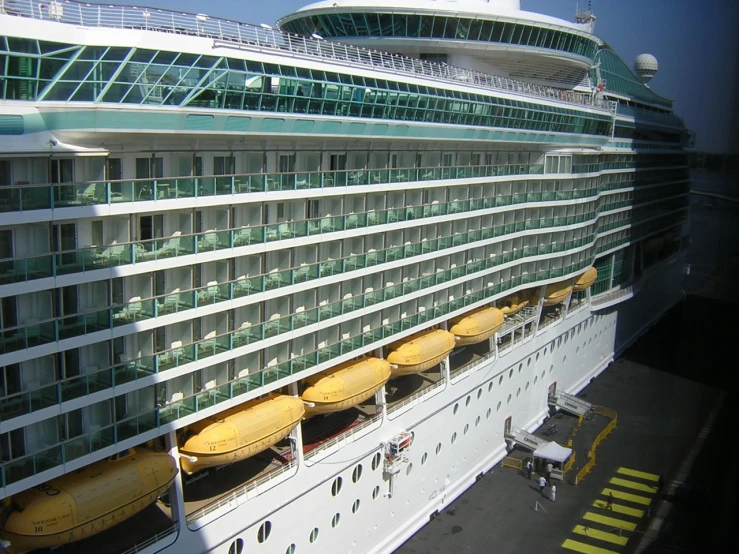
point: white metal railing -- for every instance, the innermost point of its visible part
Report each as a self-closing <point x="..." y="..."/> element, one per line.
<point x="241" y="491"/>
<point x="346" y="437"/>
<point x="153" y="539"/>
<point x="265" y="38"/>
<point x="416" y="396"/>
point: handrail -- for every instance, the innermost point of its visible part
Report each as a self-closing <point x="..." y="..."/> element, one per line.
<point x="140" y="547"/>
<point x="272" y="40"/>
<point x="241" y="491"/>
<point x="349" y="433"/>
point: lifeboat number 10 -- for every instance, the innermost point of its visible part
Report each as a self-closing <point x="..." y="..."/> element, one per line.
<point x="49" y="490"/>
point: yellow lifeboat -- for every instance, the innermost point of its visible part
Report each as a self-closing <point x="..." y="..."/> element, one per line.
<point x="344" y="386"/>
<point x="585" y="280"/>
<point x="514" y="304"/>
<point x="420" y="352"/>
<point x="240" y="432"/>
<point x="477" y="326"/>
<point x="88" y="501"/>
<point x="557" y="293"/>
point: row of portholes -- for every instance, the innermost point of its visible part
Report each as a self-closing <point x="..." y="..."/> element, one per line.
<point x="453" y="439"/>
<point x="356" y="474"/>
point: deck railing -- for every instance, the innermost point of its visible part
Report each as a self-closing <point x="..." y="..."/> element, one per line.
<point x="264" y="37"/>
<point x="347" y="436"/>
<point x="140" y="547"/>
<point x="234" y="495"/>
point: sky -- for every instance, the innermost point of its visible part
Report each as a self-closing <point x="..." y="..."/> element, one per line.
<point x="695" y="42"/>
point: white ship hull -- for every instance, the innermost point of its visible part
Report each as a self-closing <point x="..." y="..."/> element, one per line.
<point x="300" y="500"/>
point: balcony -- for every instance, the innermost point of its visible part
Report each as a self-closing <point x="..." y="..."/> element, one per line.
<point x="54" y="455"/>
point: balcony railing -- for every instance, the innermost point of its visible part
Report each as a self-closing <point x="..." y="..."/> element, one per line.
<point x="66" y="195"/>
<point x="23" y="198"/>
<point x="94" y="381"/>
<point x="58" y="454"/>
<point x="92" y="258"/>
<point x="294" y="46"/>
<point x="138" y="309"/>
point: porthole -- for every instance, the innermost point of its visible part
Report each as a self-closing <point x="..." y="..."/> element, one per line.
<point x="518" y="392"/>
<point x="527" y="385"/>
<point x="454" y="437"/>
<point x="467" y="402"/>
<point x="424" y="458"/>
<point x="536" y="378"/>
<point x="265" y="529"/>
<point x="520" y="367"/>
<point x="335" y="520"/>
<point x="336" y="486"/>
<point x="357" y="473"/>
<point x="314" y="535"/>
<point x="438" y="448"/>
<point x="509" y="399"/>
<point x="537" y="356"/>
<point x="355" y="506"/>
<point x="565" y="338"/>
<point x="577" y="350"/>
<point x="564" y="358"/>
<point x="510" y="374"/>
<point x="528" y="362"/>
<point x="375" y="492"/>
<point x="477" y="420"/>
<point x="409" y="469"/>
<point x="498" y="407"/>
<point x="376" y="461"/>
<point x="490" y="386"/>
<point x="456" y="409"/>
<point x="500" y="381"/>
<point x="551" y="368"/>
<point x="237" y="547"/>
<point x="466" y="428"/>
<point x="543" y="373"/>
<point x="488" y="413"/>
<point x="290" y="549"/>
<point x="479" y="393"/>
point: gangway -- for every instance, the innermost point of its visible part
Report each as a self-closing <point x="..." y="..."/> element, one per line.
<point x="570" y="403"/>
<point x="525" y="439"/>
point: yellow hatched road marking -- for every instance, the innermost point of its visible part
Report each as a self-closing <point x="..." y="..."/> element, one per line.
<point x="619" y="509"/>
<point x="633" y="485"/>
<point x="611" y="521"/>
<point x="639" y="474"/>
<point x="600" y="535"/>
<point x="585" y="548"/>
<point x="627" y="496"/>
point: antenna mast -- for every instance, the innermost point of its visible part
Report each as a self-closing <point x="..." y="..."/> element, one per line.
<point x="585" y="17"/>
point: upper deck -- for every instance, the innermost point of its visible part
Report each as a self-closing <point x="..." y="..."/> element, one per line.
<point x="245" y="37"/>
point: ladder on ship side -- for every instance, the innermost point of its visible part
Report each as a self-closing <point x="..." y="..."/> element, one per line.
<point x="569" y="403"/>
<point x="524" y="438"/>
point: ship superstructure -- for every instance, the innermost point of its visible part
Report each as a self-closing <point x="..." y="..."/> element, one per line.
<point x="324" y="269"/>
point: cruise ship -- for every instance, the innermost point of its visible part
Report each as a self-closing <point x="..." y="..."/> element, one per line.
<point x="292" y="289"/>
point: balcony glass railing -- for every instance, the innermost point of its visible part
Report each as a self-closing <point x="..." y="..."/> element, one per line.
<point x="38" y="333"/>
<point x="66" y="195"/>
<point x="94" y="381"/>
<point x="114" y="255"/>
<point x="24" y="467"/>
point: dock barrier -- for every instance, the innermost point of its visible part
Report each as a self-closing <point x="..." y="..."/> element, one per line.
<point x="613" y="416"/>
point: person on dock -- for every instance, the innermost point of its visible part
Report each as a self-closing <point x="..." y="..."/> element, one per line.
<point x="542" y="484"/>
<point x="549" y="473"/>
<point x="554" y="492"/>
<point x="529" y="468"/>
<point x="609" y="503"/>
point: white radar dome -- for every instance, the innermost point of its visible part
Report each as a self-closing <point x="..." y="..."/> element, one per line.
<point x="645" y="67"/>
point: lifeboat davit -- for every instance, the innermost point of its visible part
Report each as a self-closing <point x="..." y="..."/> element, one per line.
<point x="345" y="386"/>
<point x="557" y="293"/>
<point x="477" y="326"/>
<point x="585" y="280"/>
<point x="85" y="502"/>
<point x="420" y="352"/>
<point x="514" y="304"/>
<point x="240" y="432"/>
